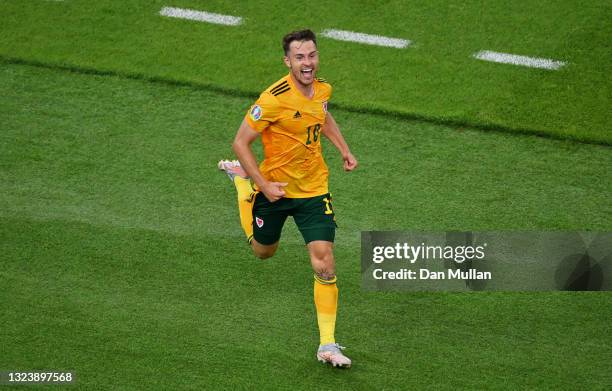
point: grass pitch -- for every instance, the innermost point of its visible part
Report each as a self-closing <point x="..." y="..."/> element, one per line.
<point x="123" y="258"/>
<point x="435" y="79"/>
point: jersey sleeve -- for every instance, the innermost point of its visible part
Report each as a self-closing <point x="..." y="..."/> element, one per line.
<point x="264" y="112"/>
<point x="328" y="92"/>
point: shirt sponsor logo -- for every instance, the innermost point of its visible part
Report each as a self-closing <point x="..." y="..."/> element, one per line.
<point x="325" y="106"/>
<point x="259" y="222"/>
<point x="256" y="113"/>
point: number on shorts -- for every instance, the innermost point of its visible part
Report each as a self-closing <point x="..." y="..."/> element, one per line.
<point x="328" y="209"/>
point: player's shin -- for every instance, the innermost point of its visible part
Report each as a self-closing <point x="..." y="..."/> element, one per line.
<point x="246" y="197"/>
<point x="326" y="303"/>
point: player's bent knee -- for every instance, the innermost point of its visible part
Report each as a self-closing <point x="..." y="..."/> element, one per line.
<point x="262" y="251"/>
<point x="264" y="254"/>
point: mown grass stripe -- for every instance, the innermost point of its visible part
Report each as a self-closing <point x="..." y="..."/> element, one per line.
<point x="200" y="16"/>
<point x="368" y="39"/>
<point x="370" y="109"/>
<point x="515" y="59"/>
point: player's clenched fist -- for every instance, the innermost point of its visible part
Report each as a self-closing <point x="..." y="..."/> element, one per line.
<point x="273" y="190"/>
<point x="350" y="163"/>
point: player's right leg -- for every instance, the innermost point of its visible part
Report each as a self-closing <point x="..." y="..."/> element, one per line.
<point x="264" y="246"/>
<point x="245" y="193"/>
<point x="268" y="221"/>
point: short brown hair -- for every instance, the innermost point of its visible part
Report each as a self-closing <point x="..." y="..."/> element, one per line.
<point x="301" y="35"/>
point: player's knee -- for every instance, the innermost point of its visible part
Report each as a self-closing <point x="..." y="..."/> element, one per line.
<point x="325" y="265"/>
<point x="325" y="257"/>
<point x="263" y="252"/>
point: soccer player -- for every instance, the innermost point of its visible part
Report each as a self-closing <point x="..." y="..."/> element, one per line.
<point x="290" y="116"/>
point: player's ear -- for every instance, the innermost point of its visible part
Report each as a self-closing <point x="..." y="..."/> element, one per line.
<point x="286" y="60"/>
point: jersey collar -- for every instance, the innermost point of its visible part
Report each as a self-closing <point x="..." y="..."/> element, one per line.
<point x="298" y="92"/>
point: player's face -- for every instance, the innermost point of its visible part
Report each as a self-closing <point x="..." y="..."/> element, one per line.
<point x="303" y="61"/>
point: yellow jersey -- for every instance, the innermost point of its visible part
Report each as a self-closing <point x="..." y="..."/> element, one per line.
<point x="290" y="126"/>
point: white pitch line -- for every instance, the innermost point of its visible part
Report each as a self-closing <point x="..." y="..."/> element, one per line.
<point x="506" y="58"/>
<point x="201" y="16"/>
<point x="368" y="39"/>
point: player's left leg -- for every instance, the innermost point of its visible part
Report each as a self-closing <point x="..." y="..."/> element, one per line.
<point x="325" y="288"/>
<point x="316" y="221"/>
<point x="326" y="302"/>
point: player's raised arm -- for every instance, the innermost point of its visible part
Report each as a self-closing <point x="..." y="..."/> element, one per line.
<point x="332" y="132"/>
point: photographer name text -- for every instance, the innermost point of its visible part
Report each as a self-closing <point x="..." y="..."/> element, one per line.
<point x="410" y="254"/>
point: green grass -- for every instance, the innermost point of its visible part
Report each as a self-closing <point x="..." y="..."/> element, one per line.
<point x="123" y="257"/>
<point x="436" y="79"/>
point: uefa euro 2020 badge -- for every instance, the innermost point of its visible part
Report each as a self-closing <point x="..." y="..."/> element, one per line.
<point x="256" y="113"/>
<point x="325" y="107"/>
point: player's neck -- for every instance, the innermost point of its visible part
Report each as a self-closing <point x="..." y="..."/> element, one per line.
<point x="306" y="90"/>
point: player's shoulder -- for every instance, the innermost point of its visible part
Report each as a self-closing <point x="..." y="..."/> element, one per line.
<point x="278" y="88"/>
<point x="322" y="80"/>
<point x="324" y="86"/>
<point x="271" y="97"/>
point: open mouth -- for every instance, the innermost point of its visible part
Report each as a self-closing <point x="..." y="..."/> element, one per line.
<point x="307" y="72"/>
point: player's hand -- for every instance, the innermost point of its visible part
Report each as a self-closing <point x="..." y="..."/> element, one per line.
<point x="273" y="190"/>
<point x="350" y="163"/>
